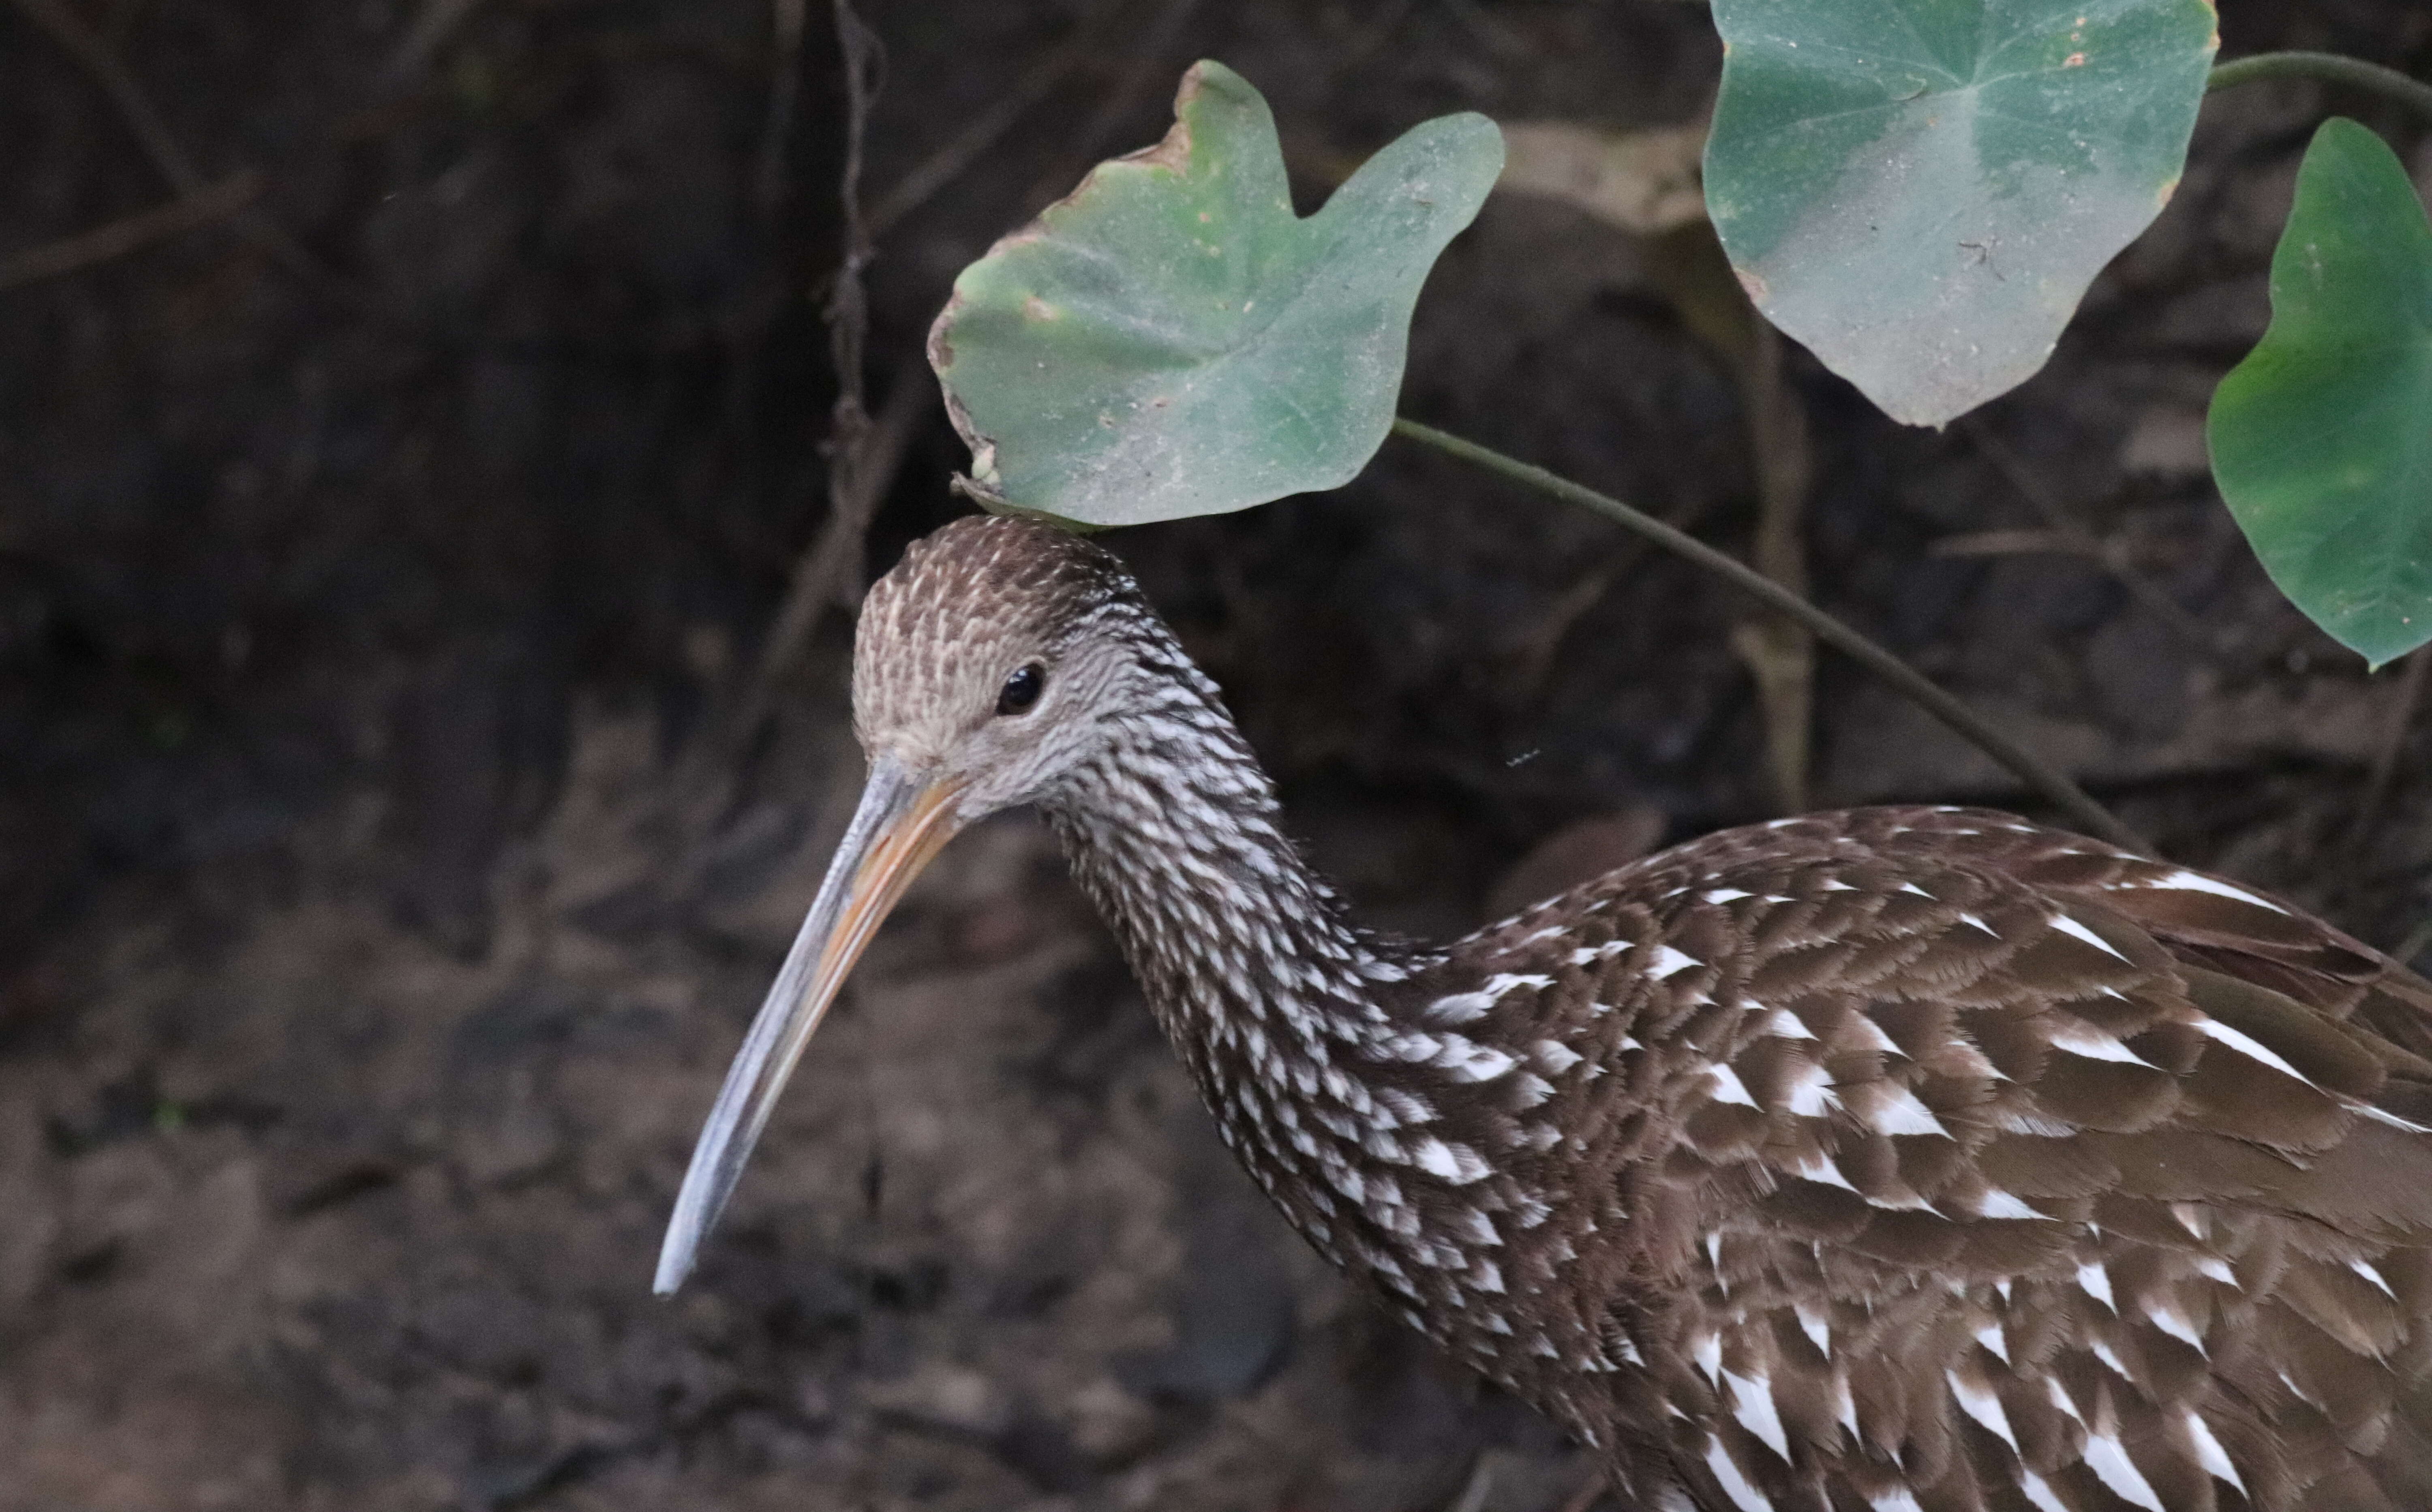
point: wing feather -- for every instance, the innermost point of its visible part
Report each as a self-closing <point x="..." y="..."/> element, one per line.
<point x="2107" y="1170"/>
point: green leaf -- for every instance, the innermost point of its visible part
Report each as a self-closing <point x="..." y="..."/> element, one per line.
<point x="1171" y="339"/>
<point x="1920" y="190"/>
<point x="2321" y="439"/>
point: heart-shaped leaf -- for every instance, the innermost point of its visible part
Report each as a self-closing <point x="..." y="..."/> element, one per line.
<point x="1171" y="339"/>
<point x="1921" y="190"/>
<point x="2321" y="439"/>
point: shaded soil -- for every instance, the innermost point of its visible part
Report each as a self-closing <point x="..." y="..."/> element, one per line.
<point x="372" y="936"/>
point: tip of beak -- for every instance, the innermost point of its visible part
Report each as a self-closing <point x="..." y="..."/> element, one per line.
<point x="903" y="819"/>
<point x="682" y="1246"/>
<point x="675" y="1264"/>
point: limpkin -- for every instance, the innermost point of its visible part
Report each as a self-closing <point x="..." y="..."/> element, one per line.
<point x="1905" y="1159"/>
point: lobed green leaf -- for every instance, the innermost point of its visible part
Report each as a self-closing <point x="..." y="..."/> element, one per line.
<point x="1171" y="339"/>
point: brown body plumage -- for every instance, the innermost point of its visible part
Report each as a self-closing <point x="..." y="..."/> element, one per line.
<point x="1896" y="1158"/>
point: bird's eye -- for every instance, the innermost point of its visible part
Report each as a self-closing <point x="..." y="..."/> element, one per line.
<point x="1022" y="690"/>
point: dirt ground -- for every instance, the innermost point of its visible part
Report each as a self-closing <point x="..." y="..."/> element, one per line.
<point x="378" y="911"/>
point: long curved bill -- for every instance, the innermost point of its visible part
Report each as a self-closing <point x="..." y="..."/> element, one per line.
<point x="902" y="821"/>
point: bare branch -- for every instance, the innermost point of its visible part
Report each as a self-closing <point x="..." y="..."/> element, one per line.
<point x="437" y="21"/>
<point x="858" y="469"/>
<point x="2077" y="540"/>
<point x="789" y="19"/>
<point x="94" y="55"/>
<point x="118" y="237"/>
<point x="965" y="147"/>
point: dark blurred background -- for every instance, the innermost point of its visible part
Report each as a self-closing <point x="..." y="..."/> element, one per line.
<point x="388" y="547"/>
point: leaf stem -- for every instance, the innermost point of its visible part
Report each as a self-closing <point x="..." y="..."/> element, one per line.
<point x="2028" y="768"/>
<point x="2328" y="68"/>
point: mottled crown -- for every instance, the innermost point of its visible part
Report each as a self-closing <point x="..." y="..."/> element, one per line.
<point x="968" y="605"/>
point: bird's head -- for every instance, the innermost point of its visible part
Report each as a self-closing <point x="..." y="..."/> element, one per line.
<point x="990" y="664"/>
<point x="989" y="661"/>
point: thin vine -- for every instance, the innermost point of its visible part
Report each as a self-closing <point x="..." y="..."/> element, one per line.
<point x="2325" y="68"/>
<point x="2045" y="779"/>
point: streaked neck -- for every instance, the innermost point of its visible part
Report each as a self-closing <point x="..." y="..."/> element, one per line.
<point x="1175" y="833"/>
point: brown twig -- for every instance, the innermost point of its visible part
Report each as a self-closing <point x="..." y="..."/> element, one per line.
<point x="437" y="21"/>
<point x="787" y="20"/>
<point x="965" y="147"/>
<point x="826" y="575"/>
<point x="2393" y="744"/>
<point x="861" y="459"/>
<point x="847" y="311"/>
<point x="1147" y="67"/>
<point x="1533" y="650"/>
<point x="2010" y="544"/>
<point x="2082" y="542"/>
<point x="853" y="482"/>
<point x="1779" y="653"/>
<point x="118" y="237"/>
<point x="1687" y="264"/>
<point x="82" y="42"/>
<point x="95" y="57"/>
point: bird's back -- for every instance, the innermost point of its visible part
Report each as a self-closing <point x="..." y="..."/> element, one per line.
<point x="1928" y="1158"/>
